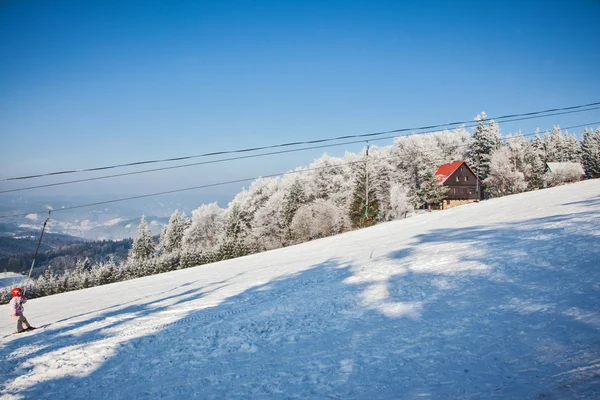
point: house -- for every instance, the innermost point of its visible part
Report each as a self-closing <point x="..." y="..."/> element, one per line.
<point x="464" y="186"/>
<point x="562" y="172"/>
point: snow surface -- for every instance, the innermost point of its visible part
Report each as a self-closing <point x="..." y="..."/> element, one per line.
<point x="492" y="300"/>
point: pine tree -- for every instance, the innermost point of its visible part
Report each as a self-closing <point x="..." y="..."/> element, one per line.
<point x="590" y="153"/>
<point x="486" y="139"/>
<point x="534" y="166"/>
<point x="172" y="235"/>
<point x="294" y="200"/>
<point x="143" y="247"/>
<point x="360" y="210"/>
<point x="432" y="191"/>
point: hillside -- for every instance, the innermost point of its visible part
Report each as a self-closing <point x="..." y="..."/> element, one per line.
<point x="491" y="300"/>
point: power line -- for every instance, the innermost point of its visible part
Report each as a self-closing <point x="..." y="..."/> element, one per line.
<point x="270" y="153"/>
<point x="242" y="180"/>
<point x="370" y="135"/>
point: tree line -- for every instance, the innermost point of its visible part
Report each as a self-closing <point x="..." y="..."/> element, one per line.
<point x="338" y="194"/>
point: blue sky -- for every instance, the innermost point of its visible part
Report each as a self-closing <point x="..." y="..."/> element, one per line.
<point x="92" y="83"/>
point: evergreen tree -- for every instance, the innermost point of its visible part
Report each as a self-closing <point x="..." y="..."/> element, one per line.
<point x="432" y="191"/>
<point x="486" y="139"/>
<point x="360" y="210"/>
<point x="590" y="153"/>
<point x="293" y="200"/>
<point x="534" y="166"/>
<point x="172" y="235"/>
<point x="143" y="247"/>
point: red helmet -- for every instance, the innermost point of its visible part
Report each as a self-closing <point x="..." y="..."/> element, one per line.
<point x="16" y="292"/>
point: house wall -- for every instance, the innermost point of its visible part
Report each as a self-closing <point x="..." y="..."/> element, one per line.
<point x="446" y="204"/>
<point x="462" y="185"/>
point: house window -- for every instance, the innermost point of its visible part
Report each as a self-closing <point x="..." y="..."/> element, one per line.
<point x="466" y="179"/>
<point x="458" y="179"/>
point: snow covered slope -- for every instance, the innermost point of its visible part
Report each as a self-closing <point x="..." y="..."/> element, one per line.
<point x="492" y="300"/>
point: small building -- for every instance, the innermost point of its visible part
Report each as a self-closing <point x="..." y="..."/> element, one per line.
<point x="563" y="172"/>
<point x="464" y="186"/>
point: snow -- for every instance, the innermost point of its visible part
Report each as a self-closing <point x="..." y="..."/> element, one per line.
<point x="491" y="300"/>
<point x="111" y="222"/>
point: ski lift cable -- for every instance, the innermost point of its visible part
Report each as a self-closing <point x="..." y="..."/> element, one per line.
<point x="445" y="125"/>
<point x="245" y="179"/>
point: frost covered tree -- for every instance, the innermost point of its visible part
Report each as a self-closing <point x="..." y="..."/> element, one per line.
<point x="486" y="140"/>
<point x="142" y="247"/>
<point x="242" y="209"/>
<point x="382" y="174"/>
<point x="172" y="235"/>
<point x="504" y="178"/>
<point x="400" y="201"/>
<point x="431" y="191"/>
<point x="330" y="178"/>
<point x="269" y="226"/>
<point x="534" y="167"/>
<point x="295" y="197"/>
<point x="559" y="147"/>
<point x="362" y="208"/>
<point x="453" y="145"/>
<point x="416" y="157"/>
<point x="206" y="230"/>
<point x="590" y="153"/>
<point x="320" y="218"/>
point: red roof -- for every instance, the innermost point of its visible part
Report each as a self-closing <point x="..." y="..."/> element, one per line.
<point x="446" y="170"/>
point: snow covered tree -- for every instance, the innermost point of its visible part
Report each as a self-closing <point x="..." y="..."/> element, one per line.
<point x="143" y="247"/>
<point x="359" y="206"/>
<point x="269" y="226"/>
<point x="559" y="147"/>
<point x="504" y="178"/>
<point x="400" y="201"/>
<point x="293" y="200"/>
<point x="382" y="174"/>
<point x="431" y="191"/>
<point x="416" y="157"/>
<point x="486" y="140"/>
<point x="242" y="209"/>
<point x="453" y="145"/>
<point x="171" y="238"/>
<point x="206" y="230"/>
<point x="590" y="153"/>
<point x="330" y="178"/>
<point x="534" y="167"/>
<point x="318" y="219"/>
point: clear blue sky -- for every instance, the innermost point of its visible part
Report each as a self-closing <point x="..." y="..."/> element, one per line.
<point x="91" y="83"/>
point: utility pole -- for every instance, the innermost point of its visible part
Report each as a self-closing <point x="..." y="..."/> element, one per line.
<point x="367" y="183"/>
<point x="477" y="182"/>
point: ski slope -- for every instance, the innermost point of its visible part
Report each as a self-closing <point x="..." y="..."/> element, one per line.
<point x="496" y="300"/>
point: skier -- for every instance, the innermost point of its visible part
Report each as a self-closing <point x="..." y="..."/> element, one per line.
<point x="16" y="309"/>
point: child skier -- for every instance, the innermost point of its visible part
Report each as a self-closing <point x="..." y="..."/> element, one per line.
<point x="16" y="309"/>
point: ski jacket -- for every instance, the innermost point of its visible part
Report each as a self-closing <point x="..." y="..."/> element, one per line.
<point x="16" y="305"/>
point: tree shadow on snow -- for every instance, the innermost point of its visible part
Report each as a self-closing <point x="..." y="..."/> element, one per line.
<point x="510" y="315"/>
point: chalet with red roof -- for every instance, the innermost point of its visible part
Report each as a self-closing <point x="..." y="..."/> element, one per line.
<point x="464" y="185"/>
